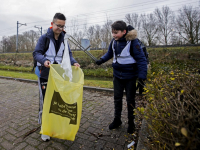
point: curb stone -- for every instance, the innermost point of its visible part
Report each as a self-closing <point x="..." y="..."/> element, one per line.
<point x="140" y="145"/>
<point x="35" y="81"/>
<point x="84" y="87"/>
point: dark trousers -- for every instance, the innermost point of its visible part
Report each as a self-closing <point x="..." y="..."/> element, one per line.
<point x="130" y="87"/>
<point x="43" y="83"/>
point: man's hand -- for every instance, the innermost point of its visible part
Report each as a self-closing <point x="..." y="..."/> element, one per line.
<point x="76" y="65"/>
<point x="99" y="62"/>
<point x="47" y="63"/>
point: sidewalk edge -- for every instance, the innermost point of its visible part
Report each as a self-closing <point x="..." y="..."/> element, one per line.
<point x="84" y="87"/>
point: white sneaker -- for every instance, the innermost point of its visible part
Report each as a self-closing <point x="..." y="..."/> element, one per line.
<point x="45" y="137"/>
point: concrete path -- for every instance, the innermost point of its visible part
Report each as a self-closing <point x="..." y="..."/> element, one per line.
<point x="19" y="112"/>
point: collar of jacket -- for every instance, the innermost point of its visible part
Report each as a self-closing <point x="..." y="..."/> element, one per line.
<point x="131" y="35"/>
<point x="50" y="35"/>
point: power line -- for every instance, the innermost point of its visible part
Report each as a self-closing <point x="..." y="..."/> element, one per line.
<point x="25" y="29"/>
<point x="103" y="11"/>
<point x="115" y="9"/>
<point x="113" y="15"/>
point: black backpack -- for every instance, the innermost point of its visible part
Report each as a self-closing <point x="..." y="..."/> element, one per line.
<point x="143" y="48"/>
<point x="47" y="41"/>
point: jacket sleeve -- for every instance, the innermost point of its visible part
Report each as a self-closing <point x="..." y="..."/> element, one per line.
<point x="39" y="50"/>
<point x="109" y="53"/>
<point x="140" y="59"/>
<point x="71" y="57"/>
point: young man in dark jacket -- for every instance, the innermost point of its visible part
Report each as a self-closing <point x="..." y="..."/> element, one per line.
<point x="53" y="55"/>
<point x="126" y="69"/>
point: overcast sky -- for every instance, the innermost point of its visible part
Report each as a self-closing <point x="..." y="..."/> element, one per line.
<point x="41" y="12"/>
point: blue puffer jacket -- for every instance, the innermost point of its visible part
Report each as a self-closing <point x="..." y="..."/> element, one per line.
<point x="128" y="71"/>
<point x="40" y="48"/>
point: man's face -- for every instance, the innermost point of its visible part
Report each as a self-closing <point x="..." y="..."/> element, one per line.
<point x="117" y="34"/>
<point x="58" y="26"/>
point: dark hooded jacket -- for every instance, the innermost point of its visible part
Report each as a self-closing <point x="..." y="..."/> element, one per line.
<point x="40" y="48"/>
<point x="128" y="71"/>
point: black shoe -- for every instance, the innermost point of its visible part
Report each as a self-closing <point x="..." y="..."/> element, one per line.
<point x="131" y="128"/>
<point x="115" y="124"/>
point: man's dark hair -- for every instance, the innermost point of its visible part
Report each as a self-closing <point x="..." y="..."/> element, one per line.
<point x="59" y="16"/>
<point x="119" y="25"/>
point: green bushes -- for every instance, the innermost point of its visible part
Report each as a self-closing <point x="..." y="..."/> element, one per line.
<point x="173" y="110"/>
<point x="185" y="58"/>
<point x="100" y="72"/>
<point x="16" y="56"/>
<point x="15" y="68"/>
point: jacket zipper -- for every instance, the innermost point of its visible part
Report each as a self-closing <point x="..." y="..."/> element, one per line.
<point x="116" y="60"/>
<point x="117" y="50"/>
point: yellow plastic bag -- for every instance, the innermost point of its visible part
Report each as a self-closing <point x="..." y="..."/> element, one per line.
<point x="62" y="104"/>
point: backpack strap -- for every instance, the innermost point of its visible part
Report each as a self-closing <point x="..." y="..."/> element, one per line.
<point x="131" y="49"/>
<point x="47" y="41"/>
<point x="146" y="54"/>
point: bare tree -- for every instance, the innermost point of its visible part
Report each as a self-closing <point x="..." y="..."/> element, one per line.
<point x="165" y="24"/>
<point x="134" y="20"/>
<point x="81" y="35"/>
<point x="94" y="35"/>
<point x="8" y="43"/>
<point x="1" y="46"/>
<point x="97" y="36"/>
<point x="188" y="24"/>
<point x="106" y="32"/>
<point x="12" y="43"/>
<point x="29" y="40"/>
<point x="150" y="29"/>
<point x="90" y="35"/>
<point x="73" y="28"/>
<point x="5" y="44"/>
<point x="77" y="31"/>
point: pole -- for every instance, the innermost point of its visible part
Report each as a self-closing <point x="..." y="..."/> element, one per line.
<point x="40" y="29"/>
<point x="17" y="34"/>
<point x="17" y="39"/>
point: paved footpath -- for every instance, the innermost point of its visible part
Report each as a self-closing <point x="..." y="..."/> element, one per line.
<point x="19" y="112"/>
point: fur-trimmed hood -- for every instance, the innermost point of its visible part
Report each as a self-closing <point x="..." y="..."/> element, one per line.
<point x="131" y="35"/>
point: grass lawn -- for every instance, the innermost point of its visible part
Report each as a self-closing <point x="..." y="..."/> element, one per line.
<point x="89" y="81"/>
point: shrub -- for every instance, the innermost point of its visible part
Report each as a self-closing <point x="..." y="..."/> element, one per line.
<point x="173" y="111"/>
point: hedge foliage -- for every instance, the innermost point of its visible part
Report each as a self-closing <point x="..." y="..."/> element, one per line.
<point x="172" y="99"/>
<point x="173" y="111"/>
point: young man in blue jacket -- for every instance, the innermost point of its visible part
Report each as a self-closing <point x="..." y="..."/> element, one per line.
<point x="126" y="69"/>
<point x="53" y="55"/>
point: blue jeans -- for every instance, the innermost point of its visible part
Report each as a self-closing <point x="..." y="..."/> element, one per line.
<point x="130" y="88"/>
<point x="42" y="83"/>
